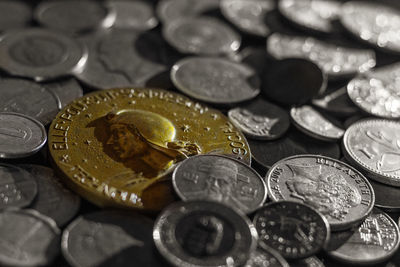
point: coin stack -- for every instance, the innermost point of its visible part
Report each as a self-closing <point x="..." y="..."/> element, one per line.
<point x="199" y="133"/>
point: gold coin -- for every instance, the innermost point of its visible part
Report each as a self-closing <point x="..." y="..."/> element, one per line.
<point x="118" y="147"/>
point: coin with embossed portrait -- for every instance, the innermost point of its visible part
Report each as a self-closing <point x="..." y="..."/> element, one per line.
<point x="168" y="10"/>
<point x="295" y="230"/>
<point x="337" y="190"/>
<point x="266" y="257"/>
<point x="203" y="233"/>
<point x="14" y="14"/>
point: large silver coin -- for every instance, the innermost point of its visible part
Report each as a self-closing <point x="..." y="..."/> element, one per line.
<point x="201" y="36"/>
<point x="169" y="10"/>
<point x="340" y="192"/>
<point x="376" y="240"/>
<point x="65" y="91"/>
<point x="374" y="146"/>
<point x="27" y="238"/>
<point x="40" y="54"/>
<point x="334" y="60"/>
<point x="14" y="14"/>
<point x="215" y="80"/>
<point x="266" y="257"/>
<point x="202" y="233"/>
<point x="20" y="135"/>
<point x="222" y="179"/>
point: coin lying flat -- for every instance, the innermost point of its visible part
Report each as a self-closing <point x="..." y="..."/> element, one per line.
<point x="20" y="135"/>
<point x="376" y="240"/>
<point x="215" y="80"/>
<point x="374" y="146"/>
<point x="65" y="90"/>
<point x="341" y="193"/>
<point x="210" y="234"/>
<point x="295" y="230"/>
<point x="266" y="257"/>
<point x="168" y="10"/>
<point x="14" y="14"/>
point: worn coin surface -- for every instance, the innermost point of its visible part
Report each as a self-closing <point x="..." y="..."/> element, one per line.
<point x="266" y="257"/>
<point x="215" y="80"/>
<point x="168" y="10"/>
<point x="374" y="146"/>
<point x="210" y="234"/>
<point x="295" y="230"/>
<point x="341" y="193"/>
<point x="14" y="14"/>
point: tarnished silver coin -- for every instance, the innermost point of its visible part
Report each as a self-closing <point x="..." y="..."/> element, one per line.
<point x="374" y="146"/>
<point x="222" y="179"/>
<point x="169" y="10"/>
<point x="14" y="14"/>
<point x="266" y="257"/>
<point x="65" y="90"/>
<point x="248" y="15"/>
<point x="40" y="54"/>
<point x="203" y="233"/>
<point x="215" y="80"/>
<point x="312" y="123"/>
<point x="295" y="230"/>
<point x="20" y="135"/>
<point x="260" y="119"/>
<point x="334" y="60"/>
<point x="340" y="192"/>
<point x="375" y="240"/>
<point x="337" y="102"/>
<point x="201" y="36"/>
<point x="27" y="238"/>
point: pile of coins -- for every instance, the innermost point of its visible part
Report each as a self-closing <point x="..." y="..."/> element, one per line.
<point x="199" y="133"/>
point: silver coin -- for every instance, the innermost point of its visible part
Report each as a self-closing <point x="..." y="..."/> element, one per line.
<point x="376" y="240"/>
<point x="386" y="196"/>
<point x="221" y="179"/>
<point x="377" y="92"/>
<point x="215" y="80"/>
<point x="374" y="146"/>
<point x="27" y="238"/>
<point x="201" y="36"/>
<point x="312" y="123"/>
<point x="14" y="14"/>
<point x="308" y="262"/>
<point x="248" y="15"/>
<point x="169" y="10"/>
<point x="334" y="60"/>
<point x="65" y="91"/>
<point x="266" y="257"/>
<point x="316" y="15"/>
<point x="337" y="102"/>
<point x="20" y="135"/>
<point x="40" y="54"/>
<point x="341" y="193"/>
<point x="210" y="234"/>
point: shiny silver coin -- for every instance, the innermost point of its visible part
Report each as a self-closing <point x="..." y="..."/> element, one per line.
<point x="377" y="92"/>
<point x="20" y="135"/>
<point x="221" y="179"/>
<point x="340" y="192"/>
<point x="202" y="233"/>
<point x="308" y="262"/>
<point x="334" y="60"/>
<point x="260" y="120"/>
<point x="169" y="10"/>
<point x="316" y="15"/>
<point x="248" y="15"/>
<point x="27" y="238"/>
<point x="40" y="54"/>
<point x="14" y="14"/>
<point x="201" y="36"/>
<point x="215" y="80"/>
<point x="374" y="146"/>
<point x="295" y="230"/>
<point x="65" y="91"/>
<point x="312" y="123"/>
<point x="53" y="199"/>
<point x="374" y="23"/>
<point x="376" y="240"/>
<point x="266" y="257"/>
<point x="337" y="102"/>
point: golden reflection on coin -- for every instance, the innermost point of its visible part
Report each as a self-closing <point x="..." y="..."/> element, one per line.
<point x="118" y="147"/>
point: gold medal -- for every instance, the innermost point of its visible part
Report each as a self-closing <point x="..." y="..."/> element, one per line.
<point x="117" y="147"/>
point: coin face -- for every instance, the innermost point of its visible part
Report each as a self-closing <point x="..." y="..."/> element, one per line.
<point x="221" y="179"/>
<point x="295" y="230"/>
<point x="266" y="257"/>
<point x="308" y="262"/>
<point x="14" y="14"/>
<point x="168" y="10"/>
<point x="207" y="236"/>
<point x="341" y="193"/>
<point x="113" y="146"/>
<point x="374" y="146"/>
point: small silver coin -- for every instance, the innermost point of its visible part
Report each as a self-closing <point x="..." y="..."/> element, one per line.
<point x="65" y="90"/>
<point x="312" y="123"/>
<point x="20" y="135"/>
<point x="221" y="179"/>
<point x="334" y="60"/>
<point x="14" y="14"/>
<point x="202" y="233"/>
<point x="374" y="146"/>
<point x="376" y="240"/>
<point x="169" y="10"/>
<point x="341" y="193"/>
<point x="266" y="257"/>
<point x="336" y="102"/>
<point x="215" y="80"/>
<point x="201" y="36"/>
<point x="40" y="54"/>
<point x="248" y="15"/>
<point x="295" y="230"/>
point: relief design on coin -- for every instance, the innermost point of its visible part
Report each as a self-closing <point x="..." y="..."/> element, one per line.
<point x="335" y="189"/>
<point x="265" y="258"/>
